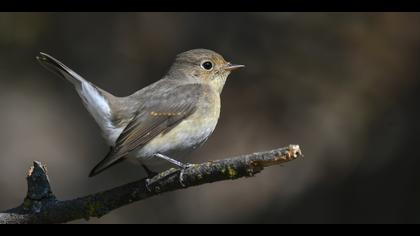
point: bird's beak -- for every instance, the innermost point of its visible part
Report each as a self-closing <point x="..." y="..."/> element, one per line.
<point x="231" y="67"/>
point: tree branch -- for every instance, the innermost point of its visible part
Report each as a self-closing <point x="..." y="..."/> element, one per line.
<point x="41" y="206"/>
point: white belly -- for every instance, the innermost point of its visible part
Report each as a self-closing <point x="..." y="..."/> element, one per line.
<point x="185" y="137"/>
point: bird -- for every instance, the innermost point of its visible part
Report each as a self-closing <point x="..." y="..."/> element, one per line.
<point x="165" y="120"/>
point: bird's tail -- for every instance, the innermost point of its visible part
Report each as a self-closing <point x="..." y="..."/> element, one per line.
<point x="97" y="101"/>
<point x="59" y="68"/>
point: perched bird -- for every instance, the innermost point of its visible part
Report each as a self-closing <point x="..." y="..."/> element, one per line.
<point x="163" y="121"/>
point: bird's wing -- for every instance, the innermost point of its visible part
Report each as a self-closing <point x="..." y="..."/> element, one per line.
<point x="158" y="115"/>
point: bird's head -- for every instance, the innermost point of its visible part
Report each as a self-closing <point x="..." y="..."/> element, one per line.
<point x="203" y="65"/>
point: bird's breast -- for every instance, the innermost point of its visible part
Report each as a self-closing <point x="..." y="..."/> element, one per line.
<point x="189" y="133"/>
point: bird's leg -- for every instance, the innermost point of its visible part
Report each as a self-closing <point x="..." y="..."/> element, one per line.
<point x="150" y="174"/>
<point x="173" y="161"/>
<point x="150" y="180"/>
<point x="181" y="165"/>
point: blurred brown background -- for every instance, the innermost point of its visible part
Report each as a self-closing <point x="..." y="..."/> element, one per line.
<point x="344" y="86"/>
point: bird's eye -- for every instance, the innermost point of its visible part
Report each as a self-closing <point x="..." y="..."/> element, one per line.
<point x="207" y="65"/>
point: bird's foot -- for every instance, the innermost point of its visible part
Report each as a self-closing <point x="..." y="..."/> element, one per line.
<point x="152" y="179"/>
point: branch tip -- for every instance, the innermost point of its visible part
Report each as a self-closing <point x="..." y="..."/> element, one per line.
<point x="294" y="151"/>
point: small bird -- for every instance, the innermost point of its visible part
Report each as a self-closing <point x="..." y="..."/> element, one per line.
<point x="163" y="121"/>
